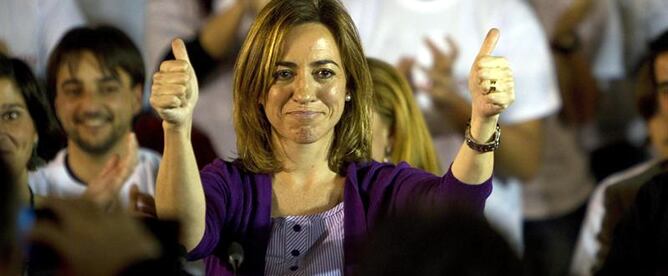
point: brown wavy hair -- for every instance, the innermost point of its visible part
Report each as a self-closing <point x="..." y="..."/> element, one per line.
<point x="254" y="76"/>
<point x="393" y="101"/>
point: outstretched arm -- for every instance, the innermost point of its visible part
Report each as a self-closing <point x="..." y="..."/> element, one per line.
<point x="521" y="154"/>
<point x="492" y="91"/>
<point x="218" y="34"/>
<point x="179" y="192"/>
<point x="217" y="38"/>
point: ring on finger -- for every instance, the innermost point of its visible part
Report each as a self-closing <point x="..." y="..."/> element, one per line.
<point x="492" y="86"/>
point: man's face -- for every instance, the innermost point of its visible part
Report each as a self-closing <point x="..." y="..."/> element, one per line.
<point x="94" y="107"/>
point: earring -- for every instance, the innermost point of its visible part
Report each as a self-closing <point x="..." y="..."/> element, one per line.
<point x="388" y="153"/>
<point x="348" y="97"/>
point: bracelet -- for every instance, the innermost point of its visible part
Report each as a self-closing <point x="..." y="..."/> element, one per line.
<point x="491" y="145"/>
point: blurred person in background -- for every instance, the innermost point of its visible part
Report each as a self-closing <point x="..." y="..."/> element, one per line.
<point x="27" y="125"/>
<point x="617" y="192"/>
<point x="639" y="243"/>
<point x="27" y="128"/>
<point x="587" y="46"/>
<point x="94" y="82"/>
<point x="398" y="128"/>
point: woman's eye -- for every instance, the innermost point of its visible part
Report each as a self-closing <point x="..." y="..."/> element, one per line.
<point x="324" y="74"/>
<point x="10" y="115"/>
<point x="283" y="75"/>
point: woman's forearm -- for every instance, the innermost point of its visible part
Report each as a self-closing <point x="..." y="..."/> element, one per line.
<point x="179" y="192"/>
<point x="471" y="166"/>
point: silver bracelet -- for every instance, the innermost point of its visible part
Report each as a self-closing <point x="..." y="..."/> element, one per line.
<point x="491" y="145"/>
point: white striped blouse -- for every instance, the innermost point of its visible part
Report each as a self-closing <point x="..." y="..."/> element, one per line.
<point x="307" y="245"/>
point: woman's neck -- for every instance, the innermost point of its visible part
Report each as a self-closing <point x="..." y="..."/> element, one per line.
<point x="306" y="185"/>
<point x="303" y="159"/>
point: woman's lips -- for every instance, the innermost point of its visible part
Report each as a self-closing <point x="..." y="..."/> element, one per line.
<point x="304" y="114"/>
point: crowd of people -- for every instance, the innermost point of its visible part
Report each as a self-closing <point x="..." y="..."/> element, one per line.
<point x="334" y="137"/>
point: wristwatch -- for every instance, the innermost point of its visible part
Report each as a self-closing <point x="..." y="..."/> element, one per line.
<point x="491" y="145"/>
<point x="566" y="43"/>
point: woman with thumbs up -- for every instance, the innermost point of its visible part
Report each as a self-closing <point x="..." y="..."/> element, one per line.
<point x="303" y="193"/>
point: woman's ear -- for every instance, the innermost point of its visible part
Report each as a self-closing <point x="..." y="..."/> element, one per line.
<point x="390" y="137"/>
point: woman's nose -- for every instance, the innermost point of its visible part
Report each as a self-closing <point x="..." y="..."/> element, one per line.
<point x="304" y="90"/>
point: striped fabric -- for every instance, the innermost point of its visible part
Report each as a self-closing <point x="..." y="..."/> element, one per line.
<point x="307" y="245"/>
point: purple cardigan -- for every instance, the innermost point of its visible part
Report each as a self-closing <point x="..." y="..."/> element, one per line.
<point x="238" y="208"/>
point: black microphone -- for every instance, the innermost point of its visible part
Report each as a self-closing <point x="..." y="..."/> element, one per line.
<point x="235" y="255"/>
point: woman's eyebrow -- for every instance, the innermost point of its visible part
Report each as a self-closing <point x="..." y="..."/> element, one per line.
<point x="324" y="62"/>
<point x="12" y="105"/>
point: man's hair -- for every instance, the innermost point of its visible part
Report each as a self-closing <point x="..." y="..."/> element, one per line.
<point x="646" y="83"/>
<point x="112" y="48"/>
<point x="254" y="76"/>
<point x="38" y="106"/>
<point x="393" y="101"/>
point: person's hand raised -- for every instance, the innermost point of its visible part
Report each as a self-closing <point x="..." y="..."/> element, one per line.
<point x="92" y="241"/>
<point x="490" y="81"/>
<point x="174" y="92"/>
<point x="442" y="84"/>
<point x="105" y="187"/>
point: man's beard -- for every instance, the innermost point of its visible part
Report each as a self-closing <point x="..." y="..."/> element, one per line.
<point x="99" y="147"/>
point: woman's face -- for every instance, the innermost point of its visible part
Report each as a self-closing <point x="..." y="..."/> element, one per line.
<point x="17" y="130"/>
<point x="307" y="96"/>
<point x="380" y="137"/>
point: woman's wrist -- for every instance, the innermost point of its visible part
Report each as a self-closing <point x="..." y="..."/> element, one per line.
<point x="182" y="130"/>
<point x="483" y="129"/>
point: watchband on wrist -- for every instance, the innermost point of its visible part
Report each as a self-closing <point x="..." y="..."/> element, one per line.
<point x="490" y="145"/>
<point x="566" y="44"/>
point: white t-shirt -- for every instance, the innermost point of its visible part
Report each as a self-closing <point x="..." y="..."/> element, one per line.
<point x="31" y="28"/>
<point x="55" y="180"/>
<point x="392" y="29"/>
